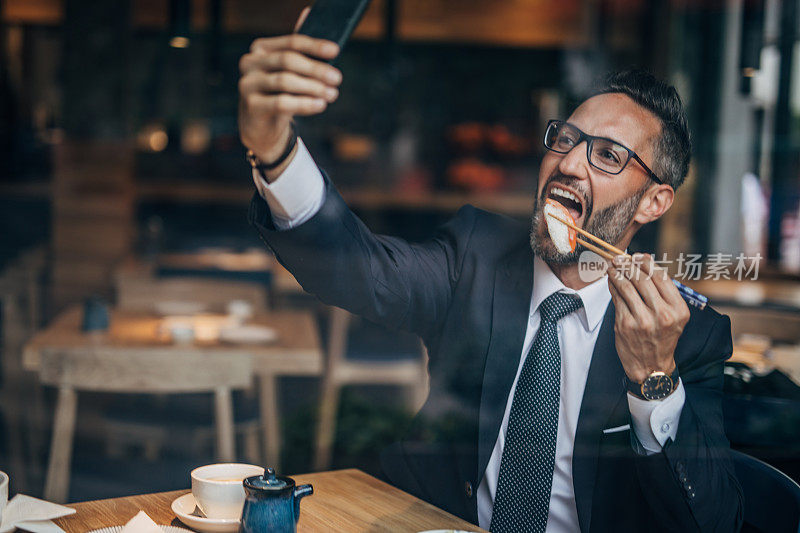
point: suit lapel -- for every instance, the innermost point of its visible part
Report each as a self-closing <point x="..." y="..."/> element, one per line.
<point x="604" y="390"/>
<point x="511" y="302"/>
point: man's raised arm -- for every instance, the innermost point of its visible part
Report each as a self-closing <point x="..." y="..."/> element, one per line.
<point x="303" y="219"/>
<point x="283" y="77"/>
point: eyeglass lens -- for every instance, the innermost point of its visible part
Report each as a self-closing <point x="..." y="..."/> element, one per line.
<point x="604" y="154"/>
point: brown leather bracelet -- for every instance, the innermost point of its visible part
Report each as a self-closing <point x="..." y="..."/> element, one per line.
<point x="261" y="166"/>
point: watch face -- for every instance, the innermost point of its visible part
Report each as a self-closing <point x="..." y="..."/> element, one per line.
<point x="658" y="385"/>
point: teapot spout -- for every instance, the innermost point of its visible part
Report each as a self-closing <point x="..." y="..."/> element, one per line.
<point x="300" y="492"/>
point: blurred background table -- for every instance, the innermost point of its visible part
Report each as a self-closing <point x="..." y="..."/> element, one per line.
<point x="775" y="293"/>
<point x="343" y="500"/>
<point x="166" y="271"/>
<point x="243" y="265"/>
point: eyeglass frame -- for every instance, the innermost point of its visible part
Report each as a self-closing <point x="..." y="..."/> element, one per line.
<point x="590" y="141"/>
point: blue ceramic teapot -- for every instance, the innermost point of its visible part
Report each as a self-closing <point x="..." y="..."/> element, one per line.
<point x="272" y="503"/>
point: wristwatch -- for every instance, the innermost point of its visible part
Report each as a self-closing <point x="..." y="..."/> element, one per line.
<point x="656" y="386"/>
<point x="261" y="166"/>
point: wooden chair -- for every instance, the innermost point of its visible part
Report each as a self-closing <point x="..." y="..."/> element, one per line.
<point x="21" y="395"/>
<point x="771" y="498"/>
<point x="342" y="371"/>
<point x="132" y="371"/>
<point x="11" y="393"/>
<point x="138" y="290"/>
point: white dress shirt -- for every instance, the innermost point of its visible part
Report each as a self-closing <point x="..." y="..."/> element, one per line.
<point x="297" y="195"/>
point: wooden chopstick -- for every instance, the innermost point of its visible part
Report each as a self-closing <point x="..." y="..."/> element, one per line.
<point x="591" y="237"/>
<point x="599" y="251"/>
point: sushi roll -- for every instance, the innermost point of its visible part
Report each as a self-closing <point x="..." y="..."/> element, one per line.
<point x="562" y="235"/>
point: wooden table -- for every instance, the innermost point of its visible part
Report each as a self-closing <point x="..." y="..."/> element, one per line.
<point x="343" y="500"/>
<point x="251" y="266"/>
<point x="750" y="293"/>
<point x="254" y="261"/>
<point x="136" y="355"/>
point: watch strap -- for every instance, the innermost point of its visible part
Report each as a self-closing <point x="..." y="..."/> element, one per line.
<point x="262" y="166"/>
<point x="636" y="388"/>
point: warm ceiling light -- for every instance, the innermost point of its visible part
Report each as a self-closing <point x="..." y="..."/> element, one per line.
<point x="179" y="42"/>
<point x="748" y="72"/>
<point x="195" y="138"/>
<point x="158" y="140"/>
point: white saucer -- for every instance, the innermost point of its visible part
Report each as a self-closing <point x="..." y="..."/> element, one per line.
<point x="118" y="529"/>
<point x="187" y="512"/>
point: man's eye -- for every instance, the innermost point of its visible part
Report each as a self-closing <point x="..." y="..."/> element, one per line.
<point x="565" y="140"/>
<point x="609" y="156"/>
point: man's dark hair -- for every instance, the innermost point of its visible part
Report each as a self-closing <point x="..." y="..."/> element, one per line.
<point x="673" y="149"/>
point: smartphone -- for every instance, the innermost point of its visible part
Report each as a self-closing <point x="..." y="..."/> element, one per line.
<point x="333" y="20"/>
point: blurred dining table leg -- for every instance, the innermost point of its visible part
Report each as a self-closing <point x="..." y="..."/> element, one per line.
<point x="226" y="444"/>
<point x="58" y="470"/>
<point x="270" y="422"/>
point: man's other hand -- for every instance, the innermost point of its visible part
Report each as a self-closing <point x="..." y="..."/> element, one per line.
<point x="282" y="77"/>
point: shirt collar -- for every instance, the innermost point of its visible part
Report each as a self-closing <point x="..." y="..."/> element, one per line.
<point x="595" y="296"/>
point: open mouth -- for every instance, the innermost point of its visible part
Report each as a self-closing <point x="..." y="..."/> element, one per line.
<point x="569" y="199"/>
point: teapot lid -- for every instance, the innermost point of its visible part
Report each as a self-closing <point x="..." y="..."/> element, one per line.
<point x="267" y="481"/>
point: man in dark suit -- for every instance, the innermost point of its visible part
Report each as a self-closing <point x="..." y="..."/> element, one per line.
<point x="557" y="403"/>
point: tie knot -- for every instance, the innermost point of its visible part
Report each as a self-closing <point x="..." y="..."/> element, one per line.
<point x="558" y="305"/>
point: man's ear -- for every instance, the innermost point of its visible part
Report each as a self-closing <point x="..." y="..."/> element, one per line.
<point x="655" y="202"/>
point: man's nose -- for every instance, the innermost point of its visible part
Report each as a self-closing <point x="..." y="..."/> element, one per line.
<point x="575" y="163"/>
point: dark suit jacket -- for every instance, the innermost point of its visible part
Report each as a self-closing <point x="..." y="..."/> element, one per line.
<point x="466" y="292"/>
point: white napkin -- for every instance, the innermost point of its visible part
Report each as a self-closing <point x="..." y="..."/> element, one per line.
<point x="141" y="523"/>
<point x="32" y="514"/>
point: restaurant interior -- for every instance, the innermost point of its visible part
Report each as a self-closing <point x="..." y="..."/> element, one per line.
<point x="145" y="328"/>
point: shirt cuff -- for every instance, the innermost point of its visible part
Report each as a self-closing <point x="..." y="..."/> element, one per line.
<point x="297" y="194"/>
<point x="656" y="421"/>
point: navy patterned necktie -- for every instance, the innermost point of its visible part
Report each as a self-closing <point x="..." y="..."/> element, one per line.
<point x="522" y="500"/>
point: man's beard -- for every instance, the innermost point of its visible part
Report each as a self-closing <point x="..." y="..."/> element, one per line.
<point x="608" y="224"/>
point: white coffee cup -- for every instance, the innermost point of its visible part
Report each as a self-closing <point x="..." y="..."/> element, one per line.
<point x="218" y="488"/>
<point x="3" y="493"/>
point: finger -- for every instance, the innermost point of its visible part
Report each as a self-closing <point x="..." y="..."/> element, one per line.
<point x="620" y="306"/>
<point x="629" y="293"/>
<point x="298" y="42"/>
<point x="644" y="262"/>
<point x="286" y="82"/>
<point x="643" y="283"/>
<point x="667" y="288"/>
<point x="292" y="62"/>
<point x="623" y="316"/>
<point x="302" y="18"/>
<point x="660" y="278"/>
<point x="285" y="103"/>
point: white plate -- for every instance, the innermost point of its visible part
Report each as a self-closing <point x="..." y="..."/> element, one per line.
<point x="117" y="529"/>
<point x="251" y="334"/>
<point x="185" y="508"/>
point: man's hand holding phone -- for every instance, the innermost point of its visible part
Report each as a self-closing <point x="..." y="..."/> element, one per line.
<point x="282" y="77"/>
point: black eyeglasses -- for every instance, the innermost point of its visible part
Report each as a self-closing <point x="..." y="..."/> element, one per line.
<point x="603" y="154"/>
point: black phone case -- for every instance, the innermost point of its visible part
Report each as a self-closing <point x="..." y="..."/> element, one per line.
<point x="334" y="20"/>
